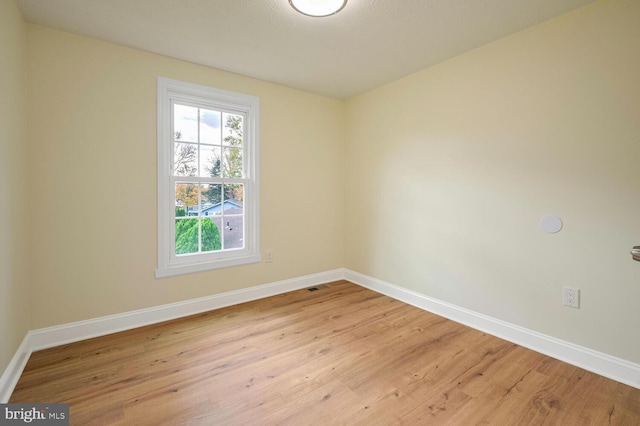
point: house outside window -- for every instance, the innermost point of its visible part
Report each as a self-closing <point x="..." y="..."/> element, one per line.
<point x="207" y="178"/>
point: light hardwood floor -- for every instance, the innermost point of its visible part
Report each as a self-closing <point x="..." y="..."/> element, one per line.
<point x="339" y="355"/>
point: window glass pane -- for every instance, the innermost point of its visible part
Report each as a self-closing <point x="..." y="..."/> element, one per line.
<point x="185" y="123"/>
<point x="211" y="239"/>
<point x="233" y="232"/>
<point x="210" y="127"/>
<point x="212" y="198"/>
<point x="232" y="162"/>
<point x="205" y="204"/>
<point x="186" y="199"/>
<point x="210" y="161"/>
<point x="232" y="130"/>
<point x="233" y="198"/>
<point x="186" y="236"/>
<point x="185" y="159"/>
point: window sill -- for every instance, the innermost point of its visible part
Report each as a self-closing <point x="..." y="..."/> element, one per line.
<point x="169" y="271"/>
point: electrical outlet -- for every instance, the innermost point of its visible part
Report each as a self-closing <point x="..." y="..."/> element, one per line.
<point x="268" y="256"/>
<point x="571" y="297"/>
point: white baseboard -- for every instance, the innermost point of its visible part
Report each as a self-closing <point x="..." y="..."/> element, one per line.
<point x="13" y="371"/>
<point x="605" y="365"/>
<point x="73" y="332"/>
<point x="597" y="362"/>
<point x="81" y="330"/>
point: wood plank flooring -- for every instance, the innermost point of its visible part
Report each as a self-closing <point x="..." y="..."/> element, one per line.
<point x="339" y="355"/>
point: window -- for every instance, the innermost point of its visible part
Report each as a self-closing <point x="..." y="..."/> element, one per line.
<point x="207" y="178"/>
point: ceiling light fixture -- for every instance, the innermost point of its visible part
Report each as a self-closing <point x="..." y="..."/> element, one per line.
<point x="318" y="8"/>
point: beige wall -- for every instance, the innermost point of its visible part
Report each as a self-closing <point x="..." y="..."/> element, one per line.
<point x="93" y="180"/>
<point x="449" y="171"/>
<point x="14" y="226"/>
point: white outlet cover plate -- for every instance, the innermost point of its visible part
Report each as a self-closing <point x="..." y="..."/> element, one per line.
<point x="571" y="297"/>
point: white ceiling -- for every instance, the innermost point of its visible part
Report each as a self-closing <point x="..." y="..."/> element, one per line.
<point x="369" y="43"/>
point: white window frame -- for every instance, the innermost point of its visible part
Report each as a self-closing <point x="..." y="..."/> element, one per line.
<point x="248" y="106"/>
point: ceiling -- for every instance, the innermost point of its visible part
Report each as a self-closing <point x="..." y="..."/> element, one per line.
<point x="369" y="43"/>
